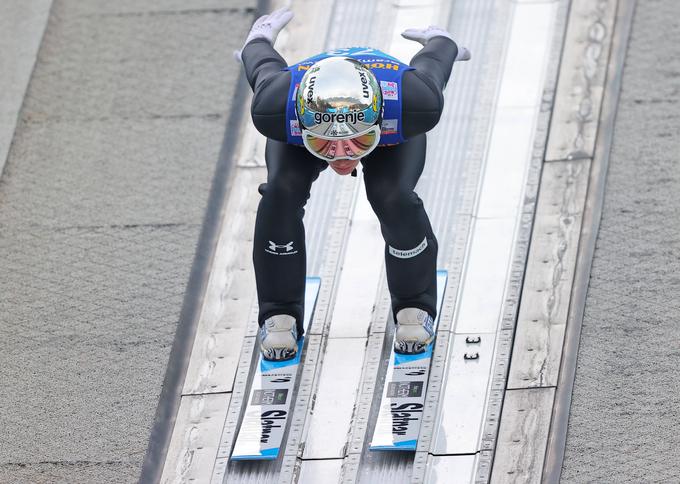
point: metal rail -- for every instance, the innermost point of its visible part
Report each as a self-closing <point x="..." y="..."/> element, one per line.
<point x="478" y="175"/>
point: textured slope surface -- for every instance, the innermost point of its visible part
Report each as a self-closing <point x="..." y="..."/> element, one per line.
<point x="626" y="402"/>
<point x="101" y="205"/>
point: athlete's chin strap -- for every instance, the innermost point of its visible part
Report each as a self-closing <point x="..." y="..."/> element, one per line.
<point x="354" y="172"/>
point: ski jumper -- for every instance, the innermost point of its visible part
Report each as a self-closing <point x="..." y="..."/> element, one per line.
<point x="413" y="105"/>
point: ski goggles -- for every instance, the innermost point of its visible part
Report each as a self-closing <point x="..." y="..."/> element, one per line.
<point x="330" y="149"/>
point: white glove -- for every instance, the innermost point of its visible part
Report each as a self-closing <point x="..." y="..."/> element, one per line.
<point x="463" y="54"/>
<point x="425" y="35"/>
<point x="267" y="27"/>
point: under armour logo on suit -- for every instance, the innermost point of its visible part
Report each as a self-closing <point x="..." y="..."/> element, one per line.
<point x="281" y="249"/>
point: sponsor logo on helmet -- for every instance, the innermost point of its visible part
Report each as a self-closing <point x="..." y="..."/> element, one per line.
<point x="350" y="117"/>
<point x="310" y="89"/>
<point x="364" y="85"/>
<point x="301" y="105"/>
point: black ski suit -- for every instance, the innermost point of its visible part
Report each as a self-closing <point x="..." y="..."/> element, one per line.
<point x="390" y="175"/>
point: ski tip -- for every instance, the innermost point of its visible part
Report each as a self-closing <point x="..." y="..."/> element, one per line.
<point x="405" y="447"/>
<point x="252" y="457"/>
<point x="267" y="454"/>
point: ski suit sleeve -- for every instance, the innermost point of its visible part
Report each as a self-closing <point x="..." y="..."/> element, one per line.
<point x="270" y="83"/>
<point x="422" y="88"/>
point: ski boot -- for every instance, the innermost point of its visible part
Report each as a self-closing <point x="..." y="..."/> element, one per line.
<point x="279" y="338"/>
<point x="415" y="330"/>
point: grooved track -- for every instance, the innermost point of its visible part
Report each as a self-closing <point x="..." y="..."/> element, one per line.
<point x="448" y="186"/>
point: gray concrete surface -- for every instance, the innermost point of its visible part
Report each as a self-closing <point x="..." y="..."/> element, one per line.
<point x="101" y="204"/>
<point x="625" y="410"/>
<point x="22" y="25"/>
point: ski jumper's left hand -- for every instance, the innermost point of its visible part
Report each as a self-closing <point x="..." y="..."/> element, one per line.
<point x="423" y="36"/>
<point x="267" y="27"/>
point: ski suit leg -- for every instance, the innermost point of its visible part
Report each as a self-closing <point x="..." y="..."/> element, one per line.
<point x="279" y="253"/>
<point x="390" y="175"/>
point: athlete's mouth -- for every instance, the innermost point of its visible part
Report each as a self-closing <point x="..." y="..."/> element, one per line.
<point x="344" y="166"/>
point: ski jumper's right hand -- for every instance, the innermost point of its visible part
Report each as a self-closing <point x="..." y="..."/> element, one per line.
<point x="267" y="27"/>
<point x="423" y="36"/>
